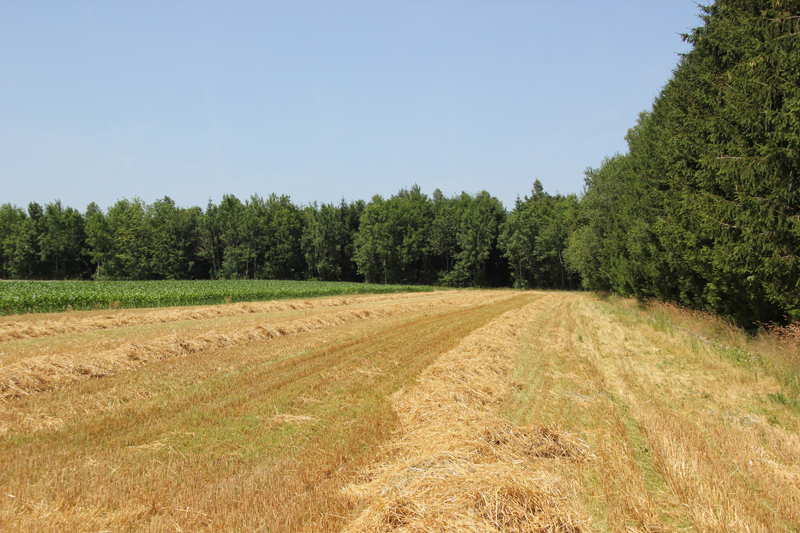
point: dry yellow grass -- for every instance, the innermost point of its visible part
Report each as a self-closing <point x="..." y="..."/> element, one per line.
<point x="36" y="373"/>
<point x="454" y="467"/>
<point x="480" y="411"/>
<point x="686" y="436"/>
<point x="261" y="436"/>
<point x="16" y="327"/>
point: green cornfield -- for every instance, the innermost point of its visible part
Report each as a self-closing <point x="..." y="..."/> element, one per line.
<point x="18" y="297"/>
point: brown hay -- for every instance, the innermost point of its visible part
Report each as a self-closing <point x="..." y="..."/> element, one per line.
<point x="531" y="442"/>
<point x="41" y="373"/>
<point x="789" y="339"/>
<point x="292" y="419"/>
<point x="455" y="467"/>
<point x="487" y="499"/>
<point x="34" y="326"/>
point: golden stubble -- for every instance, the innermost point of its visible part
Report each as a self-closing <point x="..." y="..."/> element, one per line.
<point x="456" y="466"/>
<point x="43" y="366"/>
<point x="474" y="411"/>
<point x="30" y="326"/>
<point x="678" y="428"/>
<point x="255" y="436"/>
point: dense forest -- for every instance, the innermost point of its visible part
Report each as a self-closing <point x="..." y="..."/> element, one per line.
<point x="702" y="210"/>
<point x="467" y="240"/>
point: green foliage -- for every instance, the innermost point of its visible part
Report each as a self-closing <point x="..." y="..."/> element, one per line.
<point x="230" y="218"/>
<point x="27" y="261"/>
<point x="477" y="238"/>
<point x="534" y="239"/>
<point x="173" y="240"/>
<point x="11" y="221"/>
<point x="99" y="241"/>
<point x="328" y="237"/>
<point x="126" y="226"/>
<point x="410" y="238"/>
<point x="443" y="236"/>
<point x="211" y="248"/>
<point x="703" y="210"/>
<point x="392" y="240"/>
<point x="258" y="239"/>
<point x="283" y="231"/>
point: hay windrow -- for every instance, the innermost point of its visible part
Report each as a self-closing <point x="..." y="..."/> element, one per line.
<point x="455" y="467"/>
<point x="30" y="327"/>
<point x="42" y="373"/>
<point x="674" y="435"/>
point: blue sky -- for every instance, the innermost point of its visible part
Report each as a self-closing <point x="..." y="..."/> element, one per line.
<point x="321" y="100"/>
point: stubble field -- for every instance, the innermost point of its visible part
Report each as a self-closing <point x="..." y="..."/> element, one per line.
<point x="445" y="411"/>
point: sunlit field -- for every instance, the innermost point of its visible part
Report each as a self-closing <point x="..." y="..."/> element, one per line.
<point x="439" y="411"/>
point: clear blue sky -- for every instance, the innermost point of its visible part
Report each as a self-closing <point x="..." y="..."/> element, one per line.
<point x="321" y="100"/>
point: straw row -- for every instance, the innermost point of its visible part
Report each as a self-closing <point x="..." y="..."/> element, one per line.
<point x="455" y="466"/>
<point x="68" y="323"/>
<point x="41" y="373"/>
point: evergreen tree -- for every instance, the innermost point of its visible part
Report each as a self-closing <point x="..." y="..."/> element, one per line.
<point x="703" y="210"/>
<point x="534" y="239"/>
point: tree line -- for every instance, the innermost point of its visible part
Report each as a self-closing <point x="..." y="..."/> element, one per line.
<point x="465" y="240"/>
<point x="702" y="210"/>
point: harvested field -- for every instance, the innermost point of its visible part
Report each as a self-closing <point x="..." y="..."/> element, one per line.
<point x="447" y="411"/>
<point x="42" y="372"/>
<point x="31" y="326"/>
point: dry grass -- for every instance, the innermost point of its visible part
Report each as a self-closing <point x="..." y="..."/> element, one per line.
<point x="17" y="327"/>
<point x="685" y="434"/>
<point x="789" y="338"/>
<point x="239" y="438"/>
<point x="454" y="467"/>
<point x="776" y="348"/>
<point x="496" y="411"/>
<point x="39" y="373"/>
